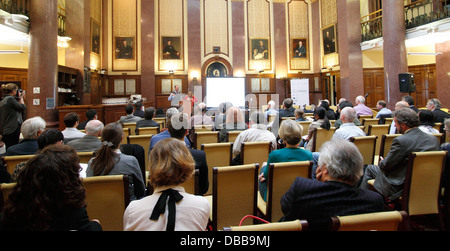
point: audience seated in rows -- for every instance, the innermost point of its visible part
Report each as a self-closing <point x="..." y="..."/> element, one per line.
<point x="426" y="122"/>
<point x="90" y="115"/>
<point x="257" y="132"/>
<point x="399" y="105"/>
<point x="434" y="105"/>
<point x="383" y="112"/>
<point x="410" y="100"/>
<point x="334" y="192"/>
<point x="30" y="129"/>
<point x="178" y="129"/>
<point x="138" y="109"/>
<point x="148" y="121"/>
<point x="341" y="106"/>
<point x="47" y="138"/>
<point x="110" y="161"/>
<point x="171" y="164"/>
<point x="129" y="118"/>
<point x="221" y="117"/>
<point x="165" y="134"/>
<point x="49" y="195"/>
<point x="320" y="121"/>
<point x="291" y="134"/>
<point x="299" y="114"/>
<point x="71" y="120"/>
<point x="90" y="142"/>
<point x="234" y="122"/>
<point x="200" y="117"/>
<point x="271" y="109"/>
<point x="331" y="115"/>
<point x="389" y="175"/>
<point x="361" y="108"/>
<point x="348" y="128"/>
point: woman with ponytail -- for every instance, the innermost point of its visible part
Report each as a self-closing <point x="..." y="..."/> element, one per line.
<point x="109" y="160"/>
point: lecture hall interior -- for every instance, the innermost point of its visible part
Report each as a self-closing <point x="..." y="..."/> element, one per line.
<point x="76" y="55"/>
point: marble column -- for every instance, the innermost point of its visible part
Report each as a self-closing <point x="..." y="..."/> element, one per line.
<point x="43" y="59"/>
<point x="443" y="73"/>
<point x="194" y="43"/>
<point x="394" y="49"/>
<point x="238" y="36"/>
<point x="148" y="53"/>
<point x="279" y="37"/>
<point x="350" y="54"/>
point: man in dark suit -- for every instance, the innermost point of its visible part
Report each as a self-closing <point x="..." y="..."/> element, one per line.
<point x="434" y="105"/>
<point x="90" y="142"/>
<point x="148" y="121"/>
<point x="410" y="100"/>
<point x="333" y="193"/>
<point x="179" y="131"/>
<point x="390" y="174"/>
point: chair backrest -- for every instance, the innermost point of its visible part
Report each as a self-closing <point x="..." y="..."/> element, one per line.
<point x="386" y="142"/>
<point x="232" y="135"/>
<point x="321" y="136"/>
<point x="126" y="133"/>
<point x="379" y="131"/>
<point x="388" y="121"/>
<point x="148" y="130"/>
<point x="161" y="121"/>
<point x="234" y="194"/>
<point x="6" y="190"/>
<point x="296" y="225"/>
<point x="205" y="137"/>
<point x="281" y="176"/>
<point x="271" y="118"/>
<point x="191" y="185"/>
<point x="285" y="118"/>
<point x="203" y="128"/>
<point x="362" y="117"/>
<point x="366" y="146"/>
<point x="437" y="126"/>
<point x="132" y="127"/>
<point x="379" y="221"/>
<point x="85" y="156"/>
<point x="305" y="125"/>
<point x="255" y="152"/>
<point x="217" y="154"/>
<point x="421" y="192"/>
<point x="144" y="141"/>
<point x="440" y="137"/>
<point x="12" y="161"/>
<point x="107" y="198"/>
<point x="367" y="122"/>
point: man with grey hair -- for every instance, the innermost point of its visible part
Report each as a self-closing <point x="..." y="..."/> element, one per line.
<point x="164" y="134"/>
<point x="90" y="142"/>
<point x="348" y="129"/>
<point x="257" y="132"/>
<point x="30" y="129"/>
<point x="334" y="192"/>
<point x="361" y="108"/>
<point x="434" y="105"/>
<point x="390" y="174"/>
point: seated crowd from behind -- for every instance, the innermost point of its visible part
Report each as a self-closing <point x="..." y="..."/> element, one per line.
<point x="71" y="121"/>
<point x="90" y="142"/>
<point x="148" y="121"/>
<point x="30" y="129"/>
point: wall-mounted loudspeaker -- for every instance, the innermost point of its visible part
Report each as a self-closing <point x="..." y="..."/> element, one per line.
<point x="406" y="81"/>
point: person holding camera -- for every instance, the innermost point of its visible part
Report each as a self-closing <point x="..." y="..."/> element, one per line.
<point x="11" y="113"/>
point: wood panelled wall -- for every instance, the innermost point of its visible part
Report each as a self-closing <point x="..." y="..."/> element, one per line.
<point x="424" y="78"/>
<point x="13" y="74"/>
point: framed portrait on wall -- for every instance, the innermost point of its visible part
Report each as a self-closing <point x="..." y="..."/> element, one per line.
<point x="95" y="37"/>
<point x="124" y="48"/>
<point x="259" y="49"/>
<point x="171" y="48"/>
<point x="329" y="39"/>
<point x="299" y="48"/>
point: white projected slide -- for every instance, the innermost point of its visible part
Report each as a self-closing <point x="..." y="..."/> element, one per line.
<point x="219" y="90"/>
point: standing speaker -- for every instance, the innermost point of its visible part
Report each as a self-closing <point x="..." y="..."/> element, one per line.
<point x="406" y="81"/>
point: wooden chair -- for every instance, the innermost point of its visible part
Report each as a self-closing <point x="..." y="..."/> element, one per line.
<point x="203" y="128"/>
<point x="285" y="118"/>
<point x="362" y="117"/>
<point x="388" y="121"/>
<point x="379" y="221"/>
<point x="234" y="194"/>
<point x="144" y="141"/>
<point x="217" y="154"/>
<point x="320" y="136"/>
<point x="205" y="137"/>
<point x="368" y="122"/>
<point x="366" y="146"/>
<point x="126" y="133"/>
<point x="438" y="126"/>
<point x="280" y="178"/>
<point x="12" y="161"/>
<point x="305" y="125"/>
<point x="148" y="130"/>
<point x="297" y="225"/>
<point x="85" y="156"/>
<point x="271" y="118"/>
<point x="107" y="197"/>
<point x="6" y="191"/>
<point x="422" y="189"/>
<point x="386" y="142"/>
<point x="132" y="127"/>
<point x="191" y="185"/>
<point x="232" y="135"/>
<point x="161" y="121"/>
<point x="379" y="131"/>
<point x="255" y="152"/>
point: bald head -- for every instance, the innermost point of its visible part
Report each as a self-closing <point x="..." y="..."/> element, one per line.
<point x="401" y="104"/>
<point x="94" y="127"/>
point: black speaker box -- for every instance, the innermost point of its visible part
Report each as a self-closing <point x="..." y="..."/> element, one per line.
<point x="406" y="81"/>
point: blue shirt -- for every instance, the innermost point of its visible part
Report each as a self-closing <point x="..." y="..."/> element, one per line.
<point x="161" y="136"/>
